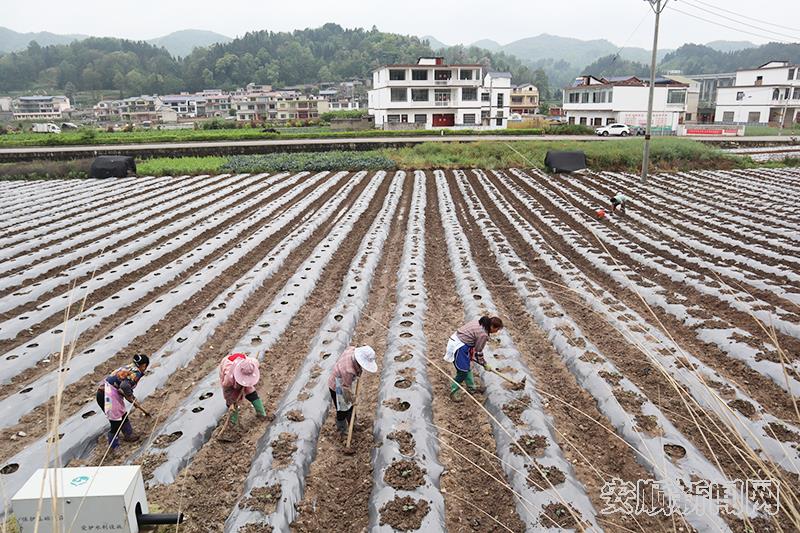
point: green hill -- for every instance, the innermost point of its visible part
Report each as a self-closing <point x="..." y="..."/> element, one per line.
<point x="181" y="43"/>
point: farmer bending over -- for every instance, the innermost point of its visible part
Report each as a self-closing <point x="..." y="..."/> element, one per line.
<point x="619" y="202"/>
<point x="345" y="372"/>
<point x="112" y="392"/>
<point x="238" y="376"/>
<point x="466" y="345"/>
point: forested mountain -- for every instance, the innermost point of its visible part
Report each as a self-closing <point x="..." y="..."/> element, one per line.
<point x="12" y="41"/>
<point x="329" y="53"/>
<point x="181" y="43"/>
<point x="700" y="59"/>
<point x="616" y="66"/>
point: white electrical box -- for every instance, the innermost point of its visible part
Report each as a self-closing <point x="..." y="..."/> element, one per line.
<point x="105" y="498"/>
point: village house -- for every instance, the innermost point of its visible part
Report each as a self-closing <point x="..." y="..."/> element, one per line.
<point x="431" y="94"/>
<point x="525" y="100"/>
<point x="600" y="101"/>
<point x="278" y="106"/>
<point x="41" y="107"/>
<point x="769" y="94"/>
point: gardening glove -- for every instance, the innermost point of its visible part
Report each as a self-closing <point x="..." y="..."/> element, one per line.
<point x="235" y="416"/>
<point x="259" y="407"/>
<point x="348" y="396"/>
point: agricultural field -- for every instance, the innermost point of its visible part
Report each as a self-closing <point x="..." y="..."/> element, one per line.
<point x="655" y="356"/>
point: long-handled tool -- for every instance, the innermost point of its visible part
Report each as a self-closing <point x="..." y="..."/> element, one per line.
<point x="221" y="435"/>
<point x="516" y="385"/>
<point x="347" y="449"/>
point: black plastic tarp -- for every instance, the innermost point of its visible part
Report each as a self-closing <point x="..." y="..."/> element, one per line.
<point x="112" y="166"/>
<point x="565" y="161"/>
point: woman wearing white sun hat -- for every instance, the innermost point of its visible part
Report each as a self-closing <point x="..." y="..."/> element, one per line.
<point x="345" y="373"/>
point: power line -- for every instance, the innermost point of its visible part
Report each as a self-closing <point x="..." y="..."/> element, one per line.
<point x="793" y="37"/>
<point x="747" y="16"/>
<point x="773" y="39"/>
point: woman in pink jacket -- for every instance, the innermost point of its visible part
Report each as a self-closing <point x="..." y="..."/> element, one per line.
<point x="345" y="372"/>
<point x="238" y="376"/>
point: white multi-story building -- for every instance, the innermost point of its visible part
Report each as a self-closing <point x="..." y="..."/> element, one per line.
<point x="430" y="94"/>
<point x="278" y="106"/>
<point x="768" y="94"/>
<point x="599" y="101"/>
<point x="41" y="107"/>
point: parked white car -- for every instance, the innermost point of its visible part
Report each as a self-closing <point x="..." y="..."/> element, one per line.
<point x="613" y="129"/>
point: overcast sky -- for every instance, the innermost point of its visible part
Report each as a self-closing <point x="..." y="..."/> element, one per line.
<point x="451" y="21"/>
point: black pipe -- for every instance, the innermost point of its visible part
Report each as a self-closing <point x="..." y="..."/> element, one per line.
<point x="159" y="519"/>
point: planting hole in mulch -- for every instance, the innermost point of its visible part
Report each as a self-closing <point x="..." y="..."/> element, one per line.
<point x="404" y="514"/>
<point x="303" y="396"/>
<point x="264" y="499"/>
<point x="88" y="414"/>
<point x="629" y="400"/>
<point x="612" y="377"/>
<point x="316" y="370"/>
<point x="165" y="440"/>
<point x="397" y="404"/>
<point x="402" y="358"/>
<point x="744" y="407"/>
<point x="648" y="424"/>
<point x="206" y="395"/>
<point x="406" y="335"/>
<point x="295" y="416"/>
<point x="405" y="440"/>
<point x="9" y="469"/>
<point x="406" y="323"/>
<point x="150" y="462"/>
<point x="404" y="475"/>
<point x="541" y="478"/>
<point x="402" y="383"/>
<point x="782" y="433"/>
<point x="516" y="407"/>
<point x="282" y="449"/>
<point x="534" y="445"/>
<point x="675" y="451"/>
<point x="557" y="515"/>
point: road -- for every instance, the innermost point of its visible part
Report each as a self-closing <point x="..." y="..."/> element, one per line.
<point x="253" y="146"/>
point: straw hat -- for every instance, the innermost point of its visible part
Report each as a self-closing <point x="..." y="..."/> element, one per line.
<point x="246" y="372"/>
<point x="365" y="357"/>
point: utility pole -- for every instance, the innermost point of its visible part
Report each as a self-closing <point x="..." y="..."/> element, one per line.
<point x="785" y="108"/>
<point x="657" y="6"/>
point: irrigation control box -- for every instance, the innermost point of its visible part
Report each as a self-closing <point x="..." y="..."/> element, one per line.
<point x="107" y="498"/>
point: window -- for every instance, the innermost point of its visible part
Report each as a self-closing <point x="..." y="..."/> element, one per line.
<point x="598" y="97"/>
<point x="688" y="117"/>
<point x="727" y="116"/>
<point x="419" y="95"/>
<point x="500" y="99"/>
<point x="392" y="119"/>
<point x="404" y="119"/>
<point x="441" y="75"/>
<point x="485" y="114"/>
<point x="676" y="96"/>
<point x="796" y="95"/>
<point x="791" y="74"/>
<point x="583" y="119"/>
<point x="609" y="121"/>
<point x="399" y="95"/>
<point x="584" y="97"/>
<point x="397" y="75"/>
<point x="754" y="117"/>
<point x="759" y="80"/>
<point x="516" y="99"/>
<point x="776" y="94"/>
<point x="467" y="74"/>
<point x="469" y="118"/>
<point x="469" y="94"/>
<point x="574" y="97"/>
<point x="499" y="122"/>
<point x="610" y="96"/>
<point x="420" y="119"/>
<point x="740" y="95"/>
<point x="786" y="93"/>
<point x="486" y="97"/>
<point x="419" y="75"/>
<point x="441" y="95"/>
<point x="571" y="120"/>
<point x="597" y="121"/>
